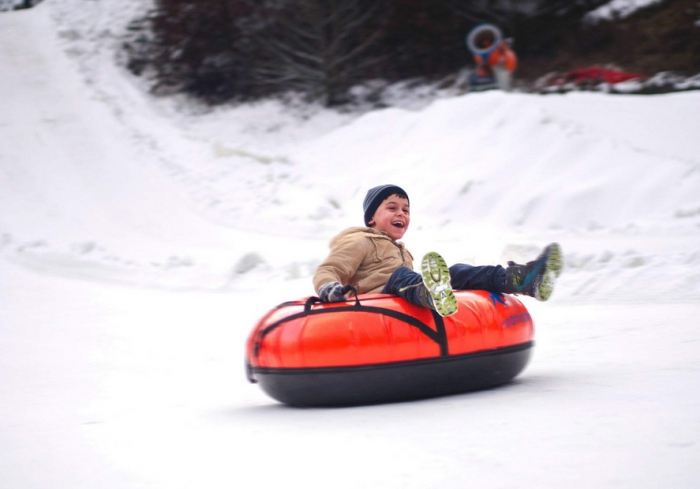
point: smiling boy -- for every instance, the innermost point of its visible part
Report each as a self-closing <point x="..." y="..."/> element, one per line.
<point x="371" y="259"/>
<point x="366" y="257"/>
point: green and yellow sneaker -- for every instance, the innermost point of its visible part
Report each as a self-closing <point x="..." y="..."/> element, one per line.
<point x="536" y="278"/>
<point x="436" y="277"/>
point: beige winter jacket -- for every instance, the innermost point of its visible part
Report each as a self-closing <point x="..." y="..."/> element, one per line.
<point x="364" y="258"/>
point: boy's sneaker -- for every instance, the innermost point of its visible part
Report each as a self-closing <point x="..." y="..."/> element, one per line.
<point x="535" y="278"/>
<point x="437" y="293"/>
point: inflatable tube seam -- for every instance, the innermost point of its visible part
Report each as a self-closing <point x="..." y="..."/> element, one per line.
<point x="438" y="335"/>
<point x="373" y="366"/>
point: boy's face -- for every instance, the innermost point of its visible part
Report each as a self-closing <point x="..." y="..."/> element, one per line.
<point x="392" y="217"/>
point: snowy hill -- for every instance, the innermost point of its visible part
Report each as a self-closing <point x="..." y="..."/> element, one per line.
<point x="488" y="174"/>
<point x="121" y="215"/>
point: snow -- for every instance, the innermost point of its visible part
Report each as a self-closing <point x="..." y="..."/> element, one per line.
<point x="141" y="238"/>
<point x="619" y="9"/>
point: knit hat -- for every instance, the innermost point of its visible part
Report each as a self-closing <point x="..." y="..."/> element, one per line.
<point x="375" y="197"/>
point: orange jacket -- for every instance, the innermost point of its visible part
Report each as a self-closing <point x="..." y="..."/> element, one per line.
<point x="501" y="56"/>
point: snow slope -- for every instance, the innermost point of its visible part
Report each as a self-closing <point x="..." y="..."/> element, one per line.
<point x="140" y="239"/>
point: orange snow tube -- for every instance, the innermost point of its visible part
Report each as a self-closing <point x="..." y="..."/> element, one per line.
<point x="380" y="348"/>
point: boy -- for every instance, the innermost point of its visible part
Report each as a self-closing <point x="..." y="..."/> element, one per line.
<point x="373" y="260"/>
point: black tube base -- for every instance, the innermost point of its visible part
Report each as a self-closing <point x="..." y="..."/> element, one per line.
<point x="392" y="382"/>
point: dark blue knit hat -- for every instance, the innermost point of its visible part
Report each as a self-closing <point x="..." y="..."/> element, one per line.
<point x="375" y="197"/>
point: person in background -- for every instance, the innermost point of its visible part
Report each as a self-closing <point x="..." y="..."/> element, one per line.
<point x="498" y="63"/>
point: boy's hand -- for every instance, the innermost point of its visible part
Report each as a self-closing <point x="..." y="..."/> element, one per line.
<point x="331" y="292"/>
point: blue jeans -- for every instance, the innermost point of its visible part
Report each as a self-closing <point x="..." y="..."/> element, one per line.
<point x="463" y="277"/>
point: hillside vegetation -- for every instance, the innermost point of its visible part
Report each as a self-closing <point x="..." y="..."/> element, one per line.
<point x="244" y="49"/>
<point x="661" y="37"/>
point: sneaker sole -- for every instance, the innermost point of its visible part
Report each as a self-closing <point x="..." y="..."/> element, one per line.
<point x="552" y="270"/>
<point x="436" y="277"/>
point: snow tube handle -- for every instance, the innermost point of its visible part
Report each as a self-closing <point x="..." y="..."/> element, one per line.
<point x="310" y="302"/>
<point x="315" y="300"/>
<point x="350" y="288"/>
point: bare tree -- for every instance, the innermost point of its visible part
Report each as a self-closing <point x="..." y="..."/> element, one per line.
<point x="319" y="46"/>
